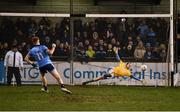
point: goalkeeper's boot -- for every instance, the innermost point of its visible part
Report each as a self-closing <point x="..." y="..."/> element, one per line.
<point x="46" y="91"/>
<point x="84" y="83"/>
<point x="63" y="89"/>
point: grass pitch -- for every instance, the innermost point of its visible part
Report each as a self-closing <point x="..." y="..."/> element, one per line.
<point x="85" y="98"/>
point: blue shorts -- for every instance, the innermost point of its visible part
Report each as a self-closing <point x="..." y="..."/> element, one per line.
<point x="48" y="67"/>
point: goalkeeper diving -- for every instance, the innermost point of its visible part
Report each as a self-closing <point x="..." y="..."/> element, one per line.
<point x="119" y="71"/>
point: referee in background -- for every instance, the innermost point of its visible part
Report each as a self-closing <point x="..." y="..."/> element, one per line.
<point x="13" y="63"/>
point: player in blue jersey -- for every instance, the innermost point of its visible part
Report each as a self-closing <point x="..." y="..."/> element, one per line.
<point x="41" y="53"/>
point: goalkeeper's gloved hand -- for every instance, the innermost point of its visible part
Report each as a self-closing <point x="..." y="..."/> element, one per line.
<point x="34" y="65"/>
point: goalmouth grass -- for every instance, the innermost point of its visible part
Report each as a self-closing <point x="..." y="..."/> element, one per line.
<point x="28" y="98"/>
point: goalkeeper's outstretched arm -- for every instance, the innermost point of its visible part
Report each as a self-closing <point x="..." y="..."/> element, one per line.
<point x="116" y="52"/>
<point x="117" y="57"/>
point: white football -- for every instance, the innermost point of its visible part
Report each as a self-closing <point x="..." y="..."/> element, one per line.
<point x="143" y="67"/>
<point x="123" y="19"/>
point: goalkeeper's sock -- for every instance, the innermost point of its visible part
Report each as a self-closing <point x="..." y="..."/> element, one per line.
<point x="90" y="81"/>
<point x="45" y="87"/>
<point x="84" y="83"/>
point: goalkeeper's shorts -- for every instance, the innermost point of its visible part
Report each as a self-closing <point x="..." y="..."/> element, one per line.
<point x="111" y="72"/>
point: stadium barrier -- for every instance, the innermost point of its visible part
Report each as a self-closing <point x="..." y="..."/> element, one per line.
<point x="2" y="72"/>
<point x="156" y="74"/>
<point x="177" y="79"/>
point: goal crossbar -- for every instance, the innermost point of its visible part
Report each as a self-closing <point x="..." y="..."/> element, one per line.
<point x="86" y="15"/>
<point x="129" y="15"/>
<point x="34" y="14"/>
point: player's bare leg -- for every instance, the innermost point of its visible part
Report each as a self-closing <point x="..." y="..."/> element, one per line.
<point x="97" y="79"/>
<point x="44" y="82"/>
<point x="56" y="75"/>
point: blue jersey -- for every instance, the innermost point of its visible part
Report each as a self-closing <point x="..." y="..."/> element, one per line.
<point x="39" y="53"/>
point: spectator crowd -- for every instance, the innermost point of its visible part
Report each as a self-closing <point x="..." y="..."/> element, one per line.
<point x="137" y="38"/>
